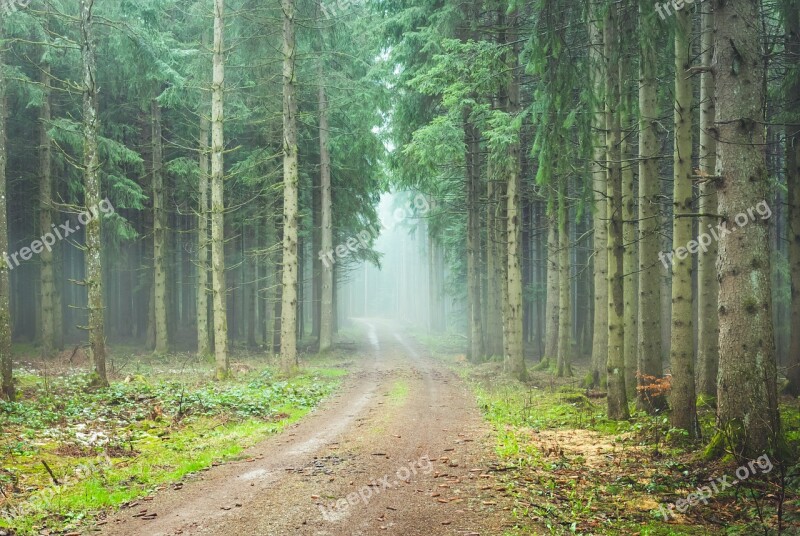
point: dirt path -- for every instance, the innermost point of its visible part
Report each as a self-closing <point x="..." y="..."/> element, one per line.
<point x="400" y="450"/>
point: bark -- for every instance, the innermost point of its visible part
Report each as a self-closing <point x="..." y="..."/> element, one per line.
<point x="6" y="357"/>
<point x="494" y="271"/>
<point x="564" y="367"/>
<point x="649" y="319"/>
<point x="793" y="183"/>
<point x="617" y="397"/>
<point x="159" y="233"/>
<point x="552" y="298"/>
<point x="250" y="287"/>
<point x="219" y="287"/>
<point x="515" y="357"/>
<point x="600" y="217"/>
<point x="746" y="391"/>
<point x="707" y="285"/>
<point x="476" y="351"/>
<point x="290" y="195"/>
<point x="91" y="183"/>
<point x="326" y="299"/>
<point x="629" y="255"/>
<point x="49" y="336"/>
<point x="682" y="400"/>
<point x="203" y="340"/>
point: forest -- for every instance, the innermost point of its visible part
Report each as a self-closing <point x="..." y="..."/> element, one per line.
<point x="355" y="267"/>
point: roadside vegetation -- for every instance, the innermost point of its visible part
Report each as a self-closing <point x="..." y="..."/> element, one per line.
<point x="572" y="470"/>
<point x="70" y="452"/>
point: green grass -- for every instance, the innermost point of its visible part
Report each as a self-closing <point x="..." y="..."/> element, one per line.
<point x="154" y="426"/>
<point x="561" y="487"/>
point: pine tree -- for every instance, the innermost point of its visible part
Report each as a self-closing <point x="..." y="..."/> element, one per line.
<point x="159" y="232"/>
<point x="219" y="286"/>
<point x="600" y="215"/>
<point x="707" y="286"/>
<point x="91" y="183"/>
<point x="617" y="396"/>
<point x="682" y="401"/>
<point x="6" y="356"/>
<point x="747" y="405"/>
<point x="649" y="343"/>
<point x="290" y="194"/>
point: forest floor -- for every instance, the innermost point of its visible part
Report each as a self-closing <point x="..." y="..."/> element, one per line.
<point x="396" y="444"/>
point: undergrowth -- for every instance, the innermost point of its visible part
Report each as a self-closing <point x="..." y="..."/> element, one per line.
<point x="571" y="470"/>
<point x="69" y="452"/>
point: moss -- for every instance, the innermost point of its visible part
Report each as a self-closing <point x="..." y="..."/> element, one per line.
<point x="544" y="364"/>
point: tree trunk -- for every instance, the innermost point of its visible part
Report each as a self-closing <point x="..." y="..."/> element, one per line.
<point x="476" y="350"/>
<point x="47" y="269"/>
<point x="649" y="341"/>
<point x="159" y="233"/>
<point x="6" y="357"/>
<point x="746" y="392"/>
<point x="326" y="305"/>
<point x="203" y="340"/>
<point x="219" y="290"/>
<point x="494" y="262"/>
<point x="515" y="358"/>
<point x="617" y="397"/>
<point x="792" y="15"/>
<point x="682" y="400"/>
<point x="91" y="165"/>
<point x="552" y="299"/>
<point x="600" y="216"/>
<point x="290" y="195"/>
<point x="629" y="255"/>
<point x="707" y="285"/>
<point x="564" y="367"/>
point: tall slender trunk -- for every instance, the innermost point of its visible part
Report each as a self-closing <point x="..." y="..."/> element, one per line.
<point x="476" y="351"/>
<point x="792" y="15"/>
<point x="649" y="341"/>
<point x="159" y="233"/>
<point x="203" y="340"/>
<point x="515" y="356"/>
<point x="682" y="400"/>
<point x="50" y="341"/>
<point x="6" y="357"/>
<point x="219" y="286"/>
<point x="326" y="305"/>
<point x="617" y="397"/>
<point x="91" y="184"/>
<point x="707" y="285"/>
<point x="629" y="255"/>
<point x="494" y="263"/>
<point x="290" y="195"/>
<point x="565" y="299"/>
<point x="552" y="298"/>
<point x="600" y="216"/>
<point x="746" y="390"/>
